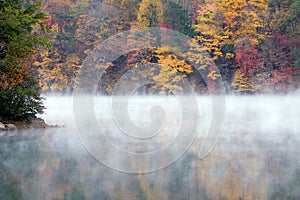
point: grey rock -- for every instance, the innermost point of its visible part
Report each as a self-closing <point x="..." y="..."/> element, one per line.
<point x="10" y="127"/>
<point x="2" y="127"/>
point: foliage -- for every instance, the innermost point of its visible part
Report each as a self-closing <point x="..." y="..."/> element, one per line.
<point x="172" y="71"/>
<point x="242" y="83"/>
<point x="256" y="39"/>
<point x="247" y="57"/>
<point x="209" y="26"/>
<point x="242" y="18"/>
<point x="22" y="101"/>
<point x="19" y="91"/>
<point x="150" y="13"/>
<point x="177" y="18"/>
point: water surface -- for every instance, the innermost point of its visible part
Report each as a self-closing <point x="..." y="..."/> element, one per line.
<point x="257" y="156"/>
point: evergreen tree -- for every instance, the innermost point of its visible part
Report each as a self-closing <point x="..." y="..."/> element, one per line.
<point x="19" y="92"/>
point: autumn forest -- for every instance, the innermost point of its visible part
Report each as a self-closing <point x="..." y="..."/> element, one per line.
<point x="254" y="44"/>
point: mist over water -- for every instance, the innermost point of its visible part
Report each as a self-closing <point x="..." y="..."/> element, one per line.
<point x="275" y="116"/>
<point x="256" y="157"/>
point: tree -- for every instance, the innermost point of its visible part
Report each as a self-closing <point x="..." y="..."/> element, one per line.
<point x="232" y="32"/>
<point x="19" y="92"/>
<point x="76" y="27"/>
<point x="177" y="18"/>
<point x="242" y="83"/>
<point x="247" y="57"/>
<point x="150" y="13"/>
<point x="280" y="49"/>
<point x="242" y="18"/>
<point x="172" y="71"/>
<point x="210" y="29"/>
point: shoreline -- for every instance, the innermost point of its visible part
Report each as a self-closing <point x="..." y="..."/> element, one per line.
<point x="34" y="123"/>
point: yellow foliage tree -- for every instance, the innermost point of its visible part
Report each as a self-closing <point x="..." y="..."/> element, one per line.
<point x="225" y="21"/>
<point x="173" y="70"/>
<point x="58" y="76"/>
<point x="242" y="83"/>
<point x="243" y="18"/>
<point x="212" y="35"/>
<point x="150" y="13"/>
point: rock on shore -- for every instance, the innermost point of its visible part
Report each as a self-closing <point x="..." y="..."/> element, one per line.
<point x="32" y="123"/>
<point x="2" y="127"/>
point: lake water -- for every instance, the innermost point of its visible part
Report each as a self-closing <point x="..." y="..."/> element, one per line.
<point x="255" y="156"/>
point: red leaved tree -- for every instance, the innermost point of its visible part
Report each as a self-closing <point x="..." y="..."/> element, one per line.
<point x="247" y="57"/>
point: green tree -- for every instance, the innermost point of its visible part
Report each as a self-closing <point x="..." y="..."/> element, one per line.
<point x="178" y="18"/>
<point x="20" y="29"/>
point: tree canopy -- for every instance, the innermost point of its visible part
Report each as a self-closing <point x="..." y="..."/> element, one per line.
<point x="20" y="36"/>
<point x="253" y="43"/>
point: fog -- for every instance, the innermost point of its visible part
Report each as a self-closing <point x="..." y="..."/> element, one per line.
<point x="269" y="117"/>
<point x="254" y="156"/>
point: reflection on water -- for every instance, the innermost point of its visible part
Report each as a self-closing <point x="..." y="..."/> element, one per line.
<point x="252" y="161"/>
